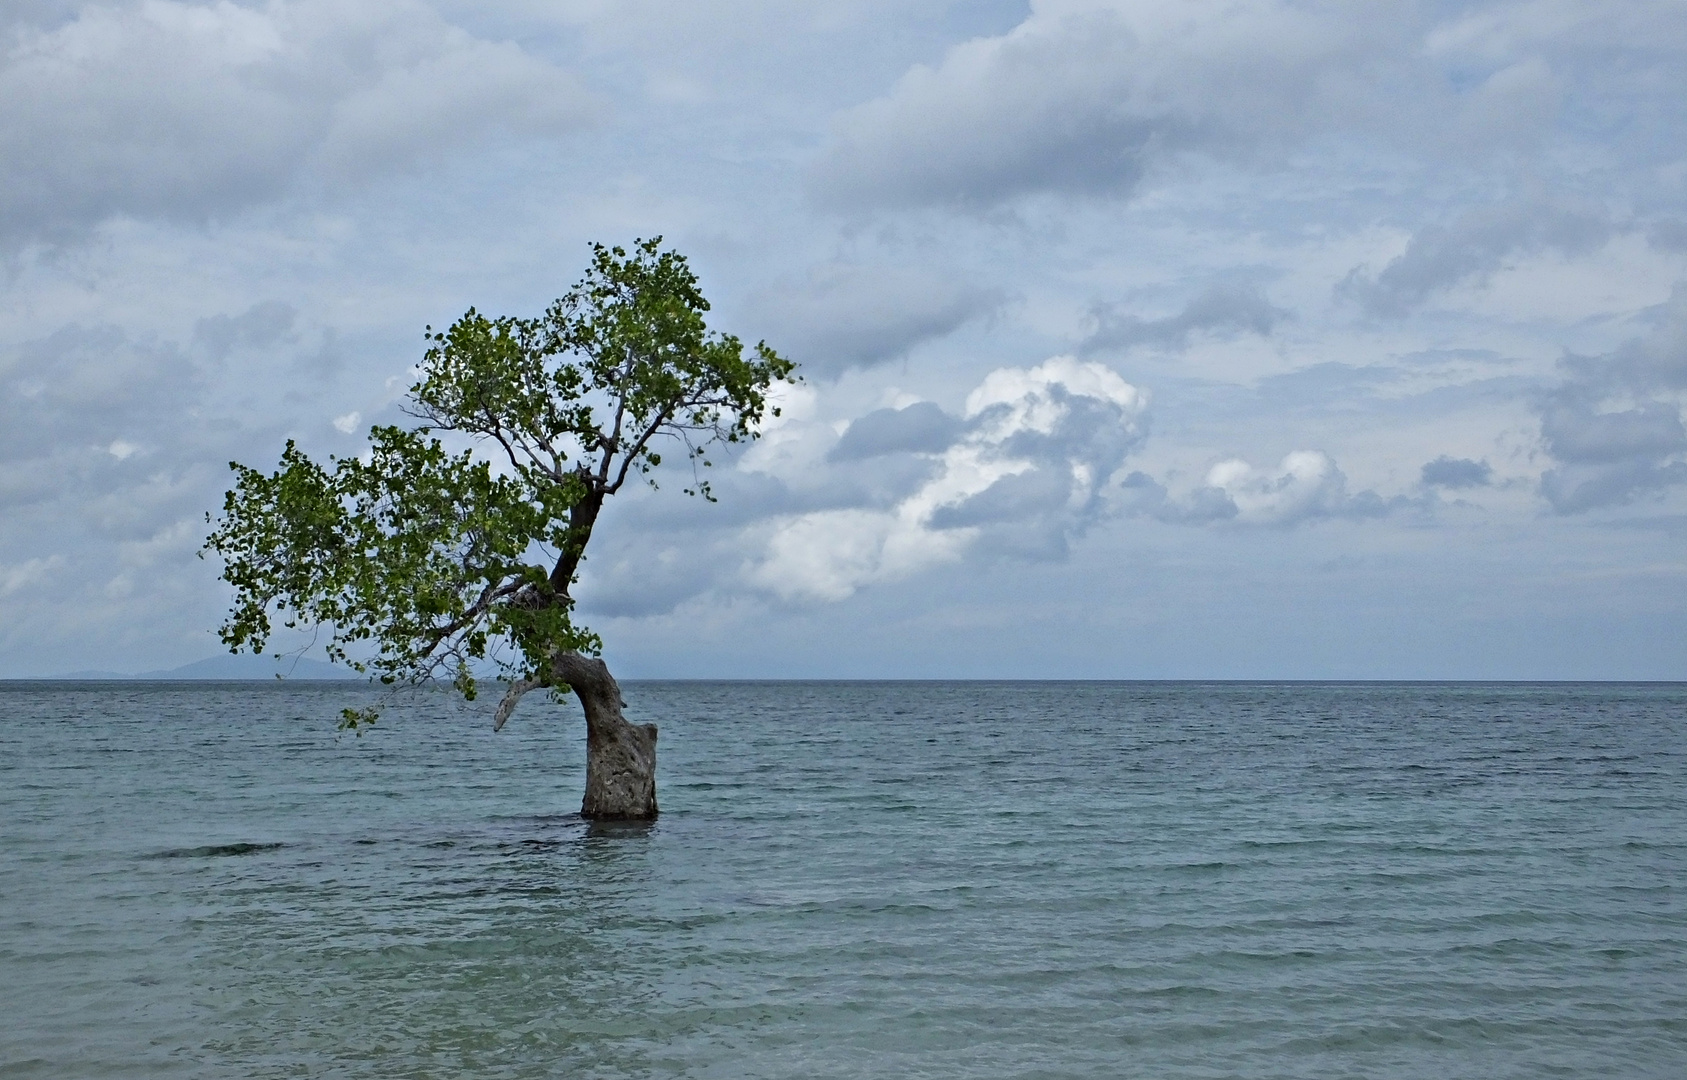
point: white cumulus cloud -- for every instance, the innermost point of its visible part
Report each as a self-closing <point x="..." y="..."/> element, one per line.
<point x="1038" y="446"/>
<point x="1305" y="486"/>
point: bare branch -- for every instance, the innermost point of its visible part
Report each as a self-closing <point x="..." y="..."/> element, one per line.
<point x="637" y="448"/>
<point x="509" y="451"/>
<point x="512" y="698"/>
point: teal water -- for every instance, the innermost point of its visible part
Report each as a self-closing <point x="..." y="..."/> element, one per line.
<point x="851" y="880"/>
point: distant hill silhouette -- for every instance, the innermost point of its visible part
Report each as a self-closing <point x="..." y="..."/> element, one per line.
<point x="231" y="667"/>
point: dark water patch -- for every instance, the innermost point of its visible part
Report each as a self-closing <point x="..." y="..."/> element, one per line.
<point x="215" y="851"/>
<point x="621" y="830"/>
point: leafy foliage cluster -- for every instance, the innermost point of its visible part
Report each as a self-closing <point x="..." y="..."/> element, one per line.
<point x="420" y="562"/>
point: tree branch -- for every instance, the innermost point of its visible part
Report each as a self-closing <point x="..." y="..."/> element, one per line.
<point x="637" y="448"/>
<point x="472" y="614"/>
<point x="512" y="698"/>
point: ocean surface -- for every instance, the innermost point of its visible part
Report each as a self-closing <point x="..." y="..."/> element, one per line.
<point x="850" y="880"/>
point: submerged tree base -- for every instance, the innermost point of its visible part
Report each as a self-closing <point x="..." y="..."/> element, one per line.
<point x="620" y="756"/>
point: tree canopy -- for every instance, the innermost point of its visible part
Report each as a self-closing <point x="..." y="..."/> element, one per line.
<point x="422" y="561"/>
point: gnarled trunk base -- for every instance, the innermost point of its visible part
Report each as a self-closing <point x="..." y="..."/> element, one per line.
<point x="620" y="757"/>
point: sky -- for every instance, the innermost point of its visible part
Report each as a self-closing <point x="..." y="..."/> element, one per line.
<point x="1157" y="339"/>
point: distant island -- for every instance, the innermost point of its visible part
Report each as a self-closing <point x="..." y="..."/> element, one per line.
<point x="244" y="667"/>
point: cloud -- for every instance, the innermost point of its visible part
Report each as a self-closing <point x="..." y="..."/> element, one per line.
<point x="262" y="324"/>
<point x="1029" y="471"/>
<point x="29" y="573"/>
<point x="126" y="433"/>
<point x="1472" y="248"/>
<point x="646" y="574"/>
<point x="1457" y="473"/>
<point x="1091" y="97"/>
<point x="1305" y="486"/>
<point x="843" y="315"/>
<point x="105" y="457"/>
<point x="1668" y="234"/>
<point x="1614" y="427"/>
<point x="1575" y="432"/>
<point x="99" y="395"/>
<point x="1221" y="309"/>
<point x="165" y="109"/>
<point x="1607" y="458"/>
<point x="113" y="446"/>
<point x="1087" y="98"/>
<point x="82" y="390"/>
<point x="920" y="428"/>
<point x="1652" y="364"/>
<point x="1075" y="102"/>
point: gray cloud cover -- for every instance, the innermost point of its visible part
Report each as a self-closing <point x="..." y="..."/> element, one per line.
<point x="1089" y="96"/>
<point x="845" y="315"/>
<point x="1456" y="473"/>
<point x="920" y="428"/>
<point x="1079" y="99"/>
<point x="1614" y="426"/>
<point x="1220" y="309"/>
<point x="188" y="111"/>
<point x="1472" y="248"/>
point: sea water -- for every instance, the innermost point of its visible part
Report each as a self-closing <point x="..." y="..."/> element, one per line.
<point x="850" y="880"/>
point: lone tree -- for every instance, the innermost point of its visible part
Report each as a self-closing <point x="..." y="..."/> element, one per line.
<point x="423" y="562"/>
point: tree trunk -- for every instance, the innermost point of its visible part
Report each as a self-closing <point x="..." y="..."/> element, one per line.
<point x="620" y="757"/>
